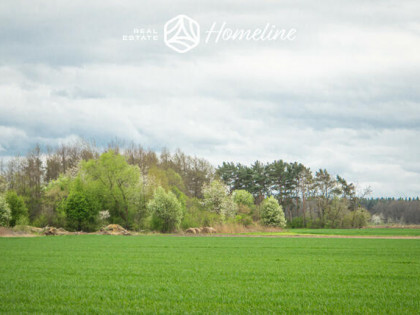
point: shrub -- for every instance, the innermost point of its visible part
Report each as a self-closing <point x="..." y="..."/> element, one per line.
<point x="166" y="211"/>
<point x="211" y="219"/>
<point x="19" y="212"/>
<point x="272" y="213"/>
<point x="313" y="223"/>
<point x="296" y="223"/>
<point x="242" y="197"/>
<point x="5" y="214"/>
<point x="377" y="219"/>
<point x="244" y="219"/>
<point x="214" y="194"/>
<point x="229" y="208"/>
<point x="41" y="221"/>
<point x="216" y="199"/>
<point x="361" y="218"/>
<point x="81" y="213"/>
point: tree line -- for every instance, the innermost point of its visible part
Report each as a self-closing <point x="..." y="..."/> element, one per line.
<point x="393" y="210"/>
<point x="81" y="186"/>
<point x="309" y="199"/>
<point x="81" y="179"/>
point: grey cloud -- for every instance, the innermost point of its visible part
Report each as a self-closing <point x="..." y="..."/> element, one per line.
<point x="343" y="96"/>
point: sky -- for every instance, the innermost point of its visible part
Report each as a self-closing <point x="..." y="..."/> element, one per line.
<point x="343" y="94"/>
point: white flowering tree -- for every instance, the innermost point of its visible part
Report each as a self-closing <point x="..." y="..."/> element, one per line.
<point x="5" y="214"/>
<point x="272" y="213"/>
<point x="216" y="199"/>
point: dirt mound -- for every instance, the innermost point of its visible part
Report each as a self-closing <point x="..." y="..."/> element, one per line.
<point x="205" y="230"/>
<point x="50" y="230"/>
<point x="114" y="229"/>
<point x="193" y="231"/>
<point x="208" y="229"/>
<point x="5" y="231"/>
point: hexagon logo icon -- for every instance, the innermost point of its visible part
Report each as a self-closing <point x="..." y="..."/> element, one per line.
<point x="181" y="33"/>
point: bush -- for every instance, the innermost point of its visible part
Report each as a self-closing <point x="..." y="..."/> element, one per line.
<point x="190" y="220"/>
<point x="361" y="218"/>
<point x="5" y="214"/>
<point x="296" y="223"/>
<point x="229" y="208"/>
<point x="244" y="219"/>
<point x="377" y="219"/>
<point x="216" y="199"/>
<point x="41" y="221"/>
<point x="81" y="213"/>
<point x="211" y="219"/>
<point x="272" y="213"/>
<point x="313" y="223"/>
<point x="242" y="197"/>
<point x="23" y="220"/>
<point x="19" y="212"/>
<point x="166" y="211"/>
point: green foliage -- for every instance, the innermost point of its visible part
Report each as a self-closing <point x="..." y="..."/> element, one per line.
<point x="296" y="222"/>
<point x="244" y="219"/>
<point x="5" y="213"/>
<point x="314" y="223"/>
<point x="41" y="221"/>
<point x="242" y="197"/>
<point x="246" y="207"/>
<point x="196" y="215"/>
<point x="55" y="194"/>
<point x="117" y="184"/>
<point x="361" y="218"/>
<point x="113" y="182"/>
<point x="182" y="198"/>
<point x="335" y="213"/>
<point x="19" y="212"/>
<point x="166" y="211"/>
<point x="82" y="213"/>
<point x="272" y="213"/>
<point x="166" y="178"/>
<point x="211" y="219"/>
<point x="3" y="184"/>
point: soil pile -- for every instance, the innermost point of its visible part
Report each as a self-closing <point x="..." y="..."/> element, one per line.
<point x="114" y="229"/>
<point x="203" y="230"/>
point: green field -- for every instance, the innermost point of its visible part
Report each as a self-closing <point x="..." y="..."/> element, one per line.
<point x="168" y="274"/>
<point x="350" y="232"/>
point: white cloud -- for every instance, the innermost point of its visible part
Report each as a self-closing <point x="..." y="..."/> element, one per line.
<point x="343" y="96"/>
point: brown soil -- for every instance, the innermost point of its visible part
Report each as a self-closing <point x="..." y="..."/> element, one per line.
<point x="118" y="230"/>
<point x="114" y="229"/>
<point x="5" y="232"/>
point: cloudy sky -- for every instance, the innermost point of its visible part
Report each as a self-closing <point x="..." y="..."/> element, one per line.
<point x="343" y="95"/>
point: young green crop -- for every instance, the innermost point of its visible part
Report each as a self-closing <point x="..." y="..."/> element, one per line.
<point x="167" y="274"/>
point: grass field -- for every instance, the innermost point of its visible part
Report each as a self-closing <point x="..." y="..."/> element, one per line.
<point x="350" y="232"/>
<point x="167" y="274"/>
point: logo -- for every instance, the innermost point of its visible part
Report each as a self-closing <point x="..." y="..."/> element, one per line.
<point x="181" y="33"/>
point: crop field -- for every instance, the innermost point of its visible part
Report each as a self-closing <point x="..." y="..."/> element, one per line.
<point x="170" y="274"/>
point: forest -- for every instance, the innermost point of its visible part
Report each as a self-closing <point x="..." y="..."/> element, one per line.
<point x="81" y="187"/>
